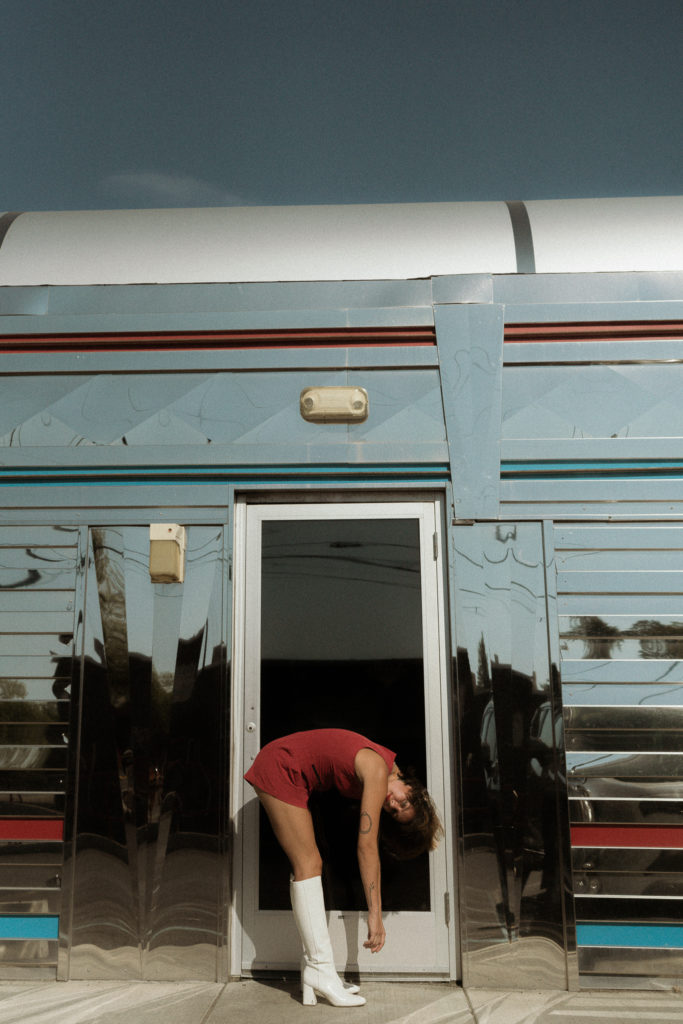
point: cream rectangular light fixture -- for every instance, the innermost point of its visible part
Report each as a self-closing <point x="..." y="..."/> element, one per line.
<point x="334" y="404"/>
<point x="167" y="543"/>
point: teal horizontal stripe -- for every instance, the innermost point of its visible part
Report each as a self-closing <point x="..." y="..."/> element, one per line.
<point x="638" y="936"/>
<point x="33" y="927"/>
<point x="591" y="468"/>
<point x="45" y="476"/>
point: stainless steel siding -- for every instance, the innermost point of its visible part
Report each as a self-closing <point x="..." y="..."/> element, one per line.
<point x="38" y="571"/>
<point x="620" y="599"/>
<point x="149" y="890"/>
<point x="514" y="819"/>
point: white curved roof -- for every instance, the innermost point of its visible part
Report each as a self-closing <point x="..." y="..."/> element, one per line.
<point x="333" y="243"/>
<point x="572" y="235"/>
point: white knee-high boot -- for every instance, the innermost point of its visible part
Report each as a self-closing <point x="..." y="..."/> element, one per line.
<point x="319" y="974"/>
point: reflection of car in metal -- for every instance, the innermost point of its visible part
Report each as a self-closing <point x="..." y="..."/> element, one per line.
<point x="543" y="777"/>
<point x="537" y="747"/>
<point x="545" y="737"/>
<point x="541" y="731"/>
<point x="522" y="772"/>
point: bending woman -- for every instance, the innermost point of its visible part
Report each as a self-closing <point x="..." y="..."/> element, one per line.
<point x="284" y="774"/>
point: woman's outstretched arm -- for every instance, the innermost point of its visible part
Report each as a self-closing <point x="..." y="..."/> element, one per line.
<point x="373" y="773"/>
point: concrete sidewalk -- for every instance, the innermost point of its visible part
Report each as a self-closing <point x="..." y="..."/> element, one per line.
<point x="278" y="1002"/>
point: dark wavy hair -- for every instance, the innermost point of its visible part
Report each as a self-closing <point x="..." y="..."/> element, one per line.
<point x="405" y="840"/>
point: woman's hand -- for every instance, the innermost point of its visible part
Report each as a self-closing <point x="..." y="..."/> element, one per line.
<point x="376" y="932"/>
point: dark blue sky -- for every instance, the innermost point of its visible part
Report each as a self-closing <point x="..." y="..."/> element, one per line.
<point x="144" y="103"/>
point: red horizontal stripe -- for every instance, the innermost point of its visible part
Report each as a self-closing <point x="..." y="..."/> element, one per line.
<point x="615" y="331"/>
<point x="651" y="836"/>
<point x="16" y="829"/>
<point x="337" y="337"/>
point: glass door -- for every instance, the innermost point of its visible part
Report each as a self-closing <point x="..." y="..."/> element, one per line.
<point x="341" y="626"/>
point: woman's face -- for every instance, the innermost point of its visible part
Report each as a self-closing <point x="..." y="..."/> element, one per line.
<point x="397" y="803"/>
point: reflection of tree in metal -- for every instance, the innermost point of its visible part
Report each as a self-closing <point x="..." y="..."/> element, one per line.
<point x="655" y="639"/>
<point x="11" y="689"/>
<point x="28" y="739"/>
<point x="659" y="639"/>
<point x="111" y="589"/>
<point x="598" y="636"/>
<point x="483" y="674"/>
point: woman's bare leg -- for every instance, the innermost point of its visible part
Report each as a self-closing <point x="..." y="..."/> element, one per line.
<point x="293" y="828"/>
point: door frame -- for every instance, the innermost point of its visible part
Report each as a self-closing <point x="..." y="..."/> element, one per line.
<point x="439" y="703"/>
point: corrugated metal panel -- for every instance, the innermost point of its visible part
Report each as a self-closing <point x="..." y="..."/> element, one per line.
<point x="239" y="412"/>
<point x="592" y="420"/>
<point x="149" y="863"/>
<point x="623" y="698"/>
<point x="514" y="918"/>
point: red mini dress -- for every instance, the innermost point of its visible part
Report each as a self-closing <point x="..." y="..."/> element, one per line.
<point x="294" y="766"/>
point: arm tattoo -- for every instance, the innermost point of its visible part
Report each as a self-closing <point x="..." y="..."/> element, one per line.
<point x="365" y="823"/>
<point x="370" y="892"/>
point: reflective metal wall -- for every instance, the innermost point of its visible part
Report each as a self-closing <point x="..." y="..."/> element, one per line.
<point x="147" y="887"/>
<point x="508" y="719"/>
<point x="620" y="597"/>
<point x="111" y="799"/>
<point x="38" y="598"/>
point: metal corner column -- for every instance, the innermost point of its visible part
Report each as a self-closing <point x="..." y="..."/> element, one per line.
<point x="470" y="347"/>
<point x="227" y="827"/>
<point x="561" y="795"/>
<point x="71" y="801"/>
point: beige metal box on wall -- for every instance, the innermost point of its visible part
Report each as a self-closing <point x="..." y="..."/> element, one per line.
<point x="167" y="543"/>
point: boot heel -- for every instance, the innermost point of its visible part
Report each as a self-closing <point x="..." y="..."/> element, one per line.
<point x="347" y="985"/>
<point x="309" y="996"/>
